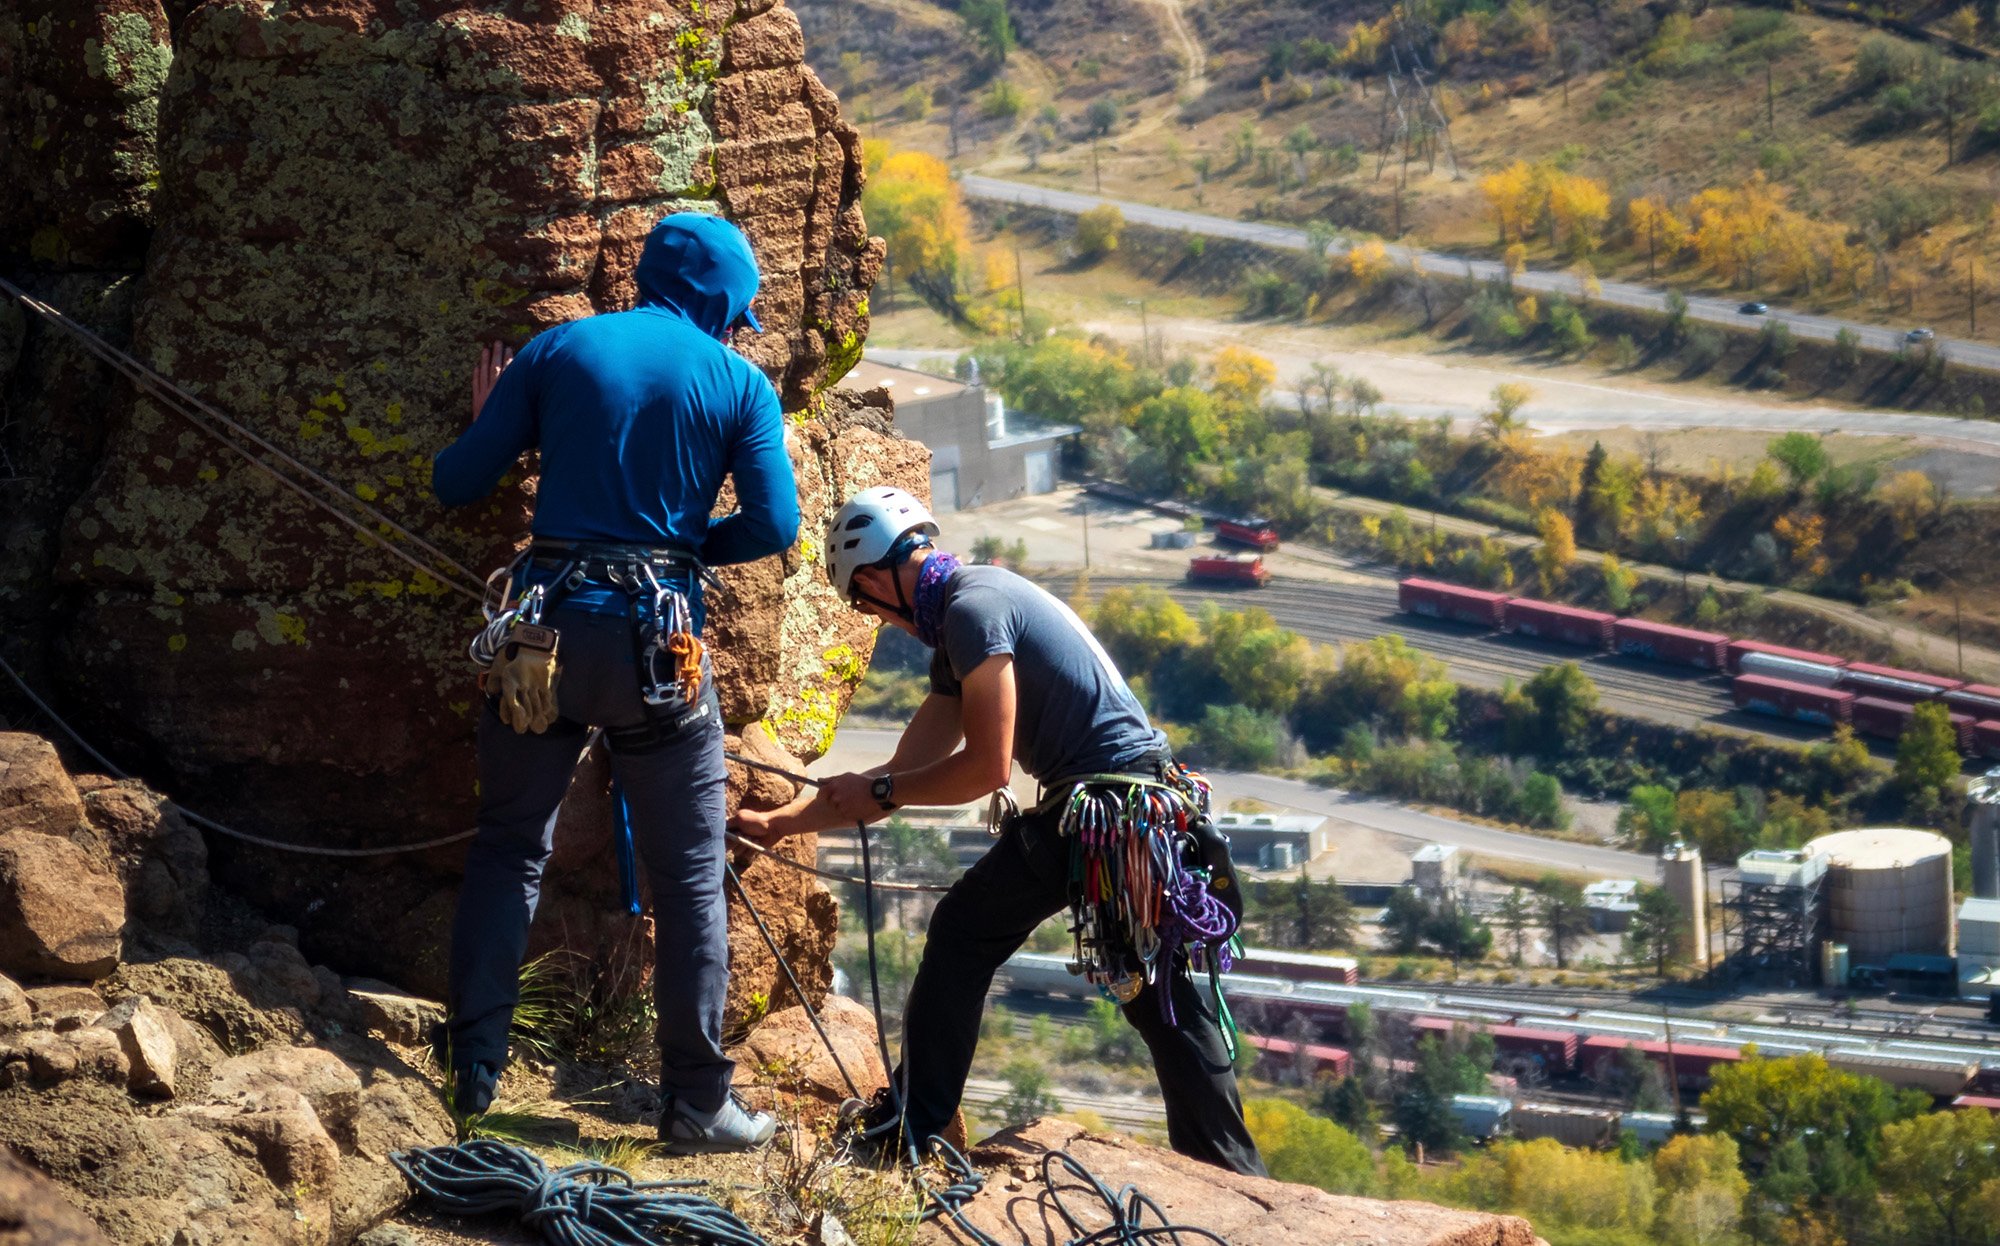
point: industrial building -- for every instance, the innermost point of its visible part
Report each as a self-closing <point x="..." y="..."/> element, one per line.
<point x="1434" y="869"/>
<point x="1611" y="904"/>
<point x="980" y="451"/>
<point x="1275" y="841"/>
<point x="1870" y="905"/>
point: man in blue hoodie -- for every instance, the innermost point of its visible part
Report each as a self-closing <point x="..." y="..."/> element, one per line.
<point x="638" y="416"/>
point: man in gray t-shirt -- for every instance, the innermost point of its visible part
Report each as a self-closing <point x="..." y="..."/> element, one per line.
<point x="1016" y="676"/>
<point x="1073" y="714"/>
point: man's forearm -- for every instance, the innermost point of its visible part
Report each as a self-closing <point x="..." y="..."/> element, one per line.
<point x="955" y="780"/>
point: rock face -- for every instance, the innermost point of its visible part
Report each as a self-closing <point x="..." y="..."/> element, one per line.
<point x="1248" y="1211"/>
<point x="335" y="201"/>
<point x="33" y="1211"/>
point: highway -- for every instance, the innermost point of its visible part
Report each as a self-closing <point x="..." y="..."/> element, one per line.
<point x="1617" y="293"/>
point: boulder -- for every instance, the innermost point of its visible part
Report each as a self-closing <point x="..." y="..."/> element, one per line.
<point x="36" y="793"/>
<point x="62" y="912"/>
<point x="391" y="1015"/>
<point x="145" y="1033"/>
<point x="330" y="1088"/>
<point x="34" y="1211"/>
<point x="15" y="1009"/>
<point x="161" y="858"/>
<point x="1249" y="1211"/>
<point x="46" y="1057"/>
<point x="784" y="1060"/>
<point x="65" y="1006"/>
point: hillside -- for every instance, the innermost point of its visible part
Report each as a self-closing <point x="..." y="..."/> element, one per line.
<point x="1290" y="119"/>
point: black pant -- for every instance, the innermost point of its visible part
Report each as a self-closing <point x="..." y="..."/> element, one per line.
<point x="675" y="792"/>
<point x="984" y="919"/>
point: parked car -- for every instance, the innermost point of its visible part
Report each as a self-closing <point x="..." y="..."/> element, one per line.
<point x="1919" y="335"/>
<point x="1753" y="309"/>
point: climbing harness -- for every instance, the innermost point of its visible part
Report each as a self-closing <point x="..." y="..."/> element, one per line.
<point x="1146" y="893"/>
<point x="584" y="1204"/>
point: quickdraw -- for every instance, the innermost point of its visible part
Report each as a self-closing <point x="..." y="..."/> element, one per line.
<point x="1140" y="895"/>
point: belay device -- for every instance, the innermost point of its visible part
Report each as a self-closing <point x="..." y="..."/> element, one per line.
<point x="1150" y="878"/>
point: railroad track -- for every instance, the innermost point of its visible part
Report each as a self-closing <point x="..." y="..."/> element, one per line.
<point x="1336" y="613"/>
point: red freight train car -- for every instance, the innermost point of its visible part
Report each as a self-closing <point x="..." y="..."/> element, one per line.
<point x="1692" y="1061"/>
<point x="1664" y="643"/>
<point x="1280" y="1058"/>
<point x="1451" y="602"/>
<point x="1737" y="648"/>
<point x="1884" y="719"/>
<point x="1986" y="739"/>
<point x="1825" y="706"/>
<point x="1546" y="620"/>
<point x="1551" y="1052"/>
<point x="1982" y="701"/>
<point x="1245" y="569"/>
<point x="1257" y="533"/>
<point x="1887" y="719"/>
<point x="1299" y="966"/>
<point x="1895" y="684"/>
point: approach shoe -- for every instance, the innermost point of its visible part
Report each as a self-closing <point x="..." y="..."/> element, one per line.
<point x="871" y="1132"/>
<point x="473" y="1088"/>
<point x="732" y="1127"/>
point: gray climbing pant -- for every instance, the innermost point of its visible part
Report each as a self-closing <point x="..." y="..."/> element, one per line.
<point x="674" y="791"/>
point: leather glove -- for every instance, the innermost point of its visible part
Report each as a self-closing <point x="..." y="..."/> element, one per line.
<point x="526" y="679"/>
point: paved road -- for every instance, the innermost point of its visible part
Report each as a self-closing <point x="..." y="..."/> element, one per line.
<point x="1618" y="293"/>
<point x="859" y="747"/>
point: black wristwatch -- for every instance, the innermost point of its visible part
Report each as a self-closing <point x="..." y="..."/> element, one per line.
<point x="883" y="789"/>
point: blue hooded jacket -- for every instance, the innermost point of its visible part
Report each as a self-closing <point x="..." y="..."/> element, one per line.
<point x="640" y="414"/>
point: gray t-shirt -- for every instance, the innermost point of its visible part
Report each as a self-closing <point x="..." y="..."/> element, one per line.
<point x="1073" y="713"/>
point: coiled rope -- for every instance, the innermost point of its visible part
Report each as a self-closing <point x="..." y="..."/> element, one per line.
<point x="585" y="1204"/>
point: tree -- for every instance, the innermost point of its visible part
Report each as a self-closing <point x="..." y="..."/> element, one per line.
<point x="1422" y="1108"/>
<point x="1563" y="697"/>
<point x="1802" y="455"/>
<point x="1557" y="550"/>
<point x="1346" y="1101"/>
<point x="1028" y="1094"/>
<point x="991" y="26"/>
<point x="1847" y="350"/>
<point x="1655" y="928"/>
<point x="1938" y="1166"/>
<point x="1766" y="1104"/>
<point x="1303" y="913"/>
<point x="1650" y="819"/>
<point x="1508" y="399"/>
<point x="1097" y="231"/>
<point x="1363" y="395"/>
<point x="1578" y="209"/>
<point x="1515" y="916"/>
<point x="912" y="201"/>
<point x="1563" y="915"/>
<point x="1927" y="757"/>
<point x="1298" y="1146"/>
<point x="1100" y="117"/>
<point x="1702" y="1187"/>
<point x="1908" y="496"/>
<point x="1368" y="263"/>
<point x="1619" y="581"/>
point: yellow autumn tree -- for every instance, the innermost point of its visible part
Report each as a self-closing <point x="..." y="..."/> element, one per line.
<point x="1515" y="196"/>
<point x="913" y="203"/>
<point x="1557" y="550"/>
<point x="1907" y="497"/>
<point x="1801" y="534"/>
<point x="1368" y="263"/>
<point x="1654" y="227"/>
<point x="1242" y="377"/>
<point x="1579" y="207"/>
<point x="1666" y="513"/>
<point x="1364" y="44"/>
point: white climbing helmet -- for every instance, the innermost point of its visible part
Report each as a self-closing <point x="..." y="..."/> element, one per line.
<point x="865" y="530"/>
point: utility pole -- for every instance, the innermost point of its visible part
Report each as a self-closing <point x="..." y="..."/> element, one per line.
<point x="1673" y="1073"/>
<point x="1145" y="335"/>
<point x="1086" y="532"/>
<point x="1096" y="175"/>
<point x="1021" y="291"/>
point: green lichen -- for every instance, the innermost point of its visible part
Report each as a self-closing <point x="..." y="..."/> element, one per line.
<point x="841" y="358"/>
<point x="573" y="26"/>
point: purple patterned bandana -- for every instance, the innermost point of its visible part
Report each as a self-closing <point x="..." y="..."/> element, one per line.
<point x="927" y="605"/>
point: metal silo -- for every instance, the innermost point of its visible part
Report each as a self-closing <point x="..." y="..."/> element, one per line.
<point x="1888" y="891"/>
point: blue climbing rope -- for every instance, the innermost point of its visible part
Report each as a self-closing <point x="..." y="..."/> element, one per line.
<point x="586" y="1204"/>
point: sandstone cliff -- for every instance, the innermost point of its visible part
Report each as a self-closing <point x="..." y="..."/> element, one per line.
<point x="309" y="214"/>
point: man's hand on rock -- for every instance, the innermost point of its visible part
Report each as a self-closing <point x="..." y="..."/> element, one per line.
<point x="493" y="360"/>
<point x="852" y="797"/>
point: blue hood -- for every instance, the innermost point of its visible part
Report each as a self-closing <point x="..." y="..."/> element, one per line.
<point x="700" y="266"/>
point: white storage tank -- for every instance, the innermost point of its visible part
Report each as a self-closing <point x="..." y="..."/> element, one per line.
<point x="1888" y="890"/>
<point x="1682" y="875"/>
<point x="1979" y="932"/>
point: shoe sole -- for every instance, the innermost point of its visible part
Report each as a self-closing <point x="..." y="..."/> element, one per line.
<point x="684" y="1149"/>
